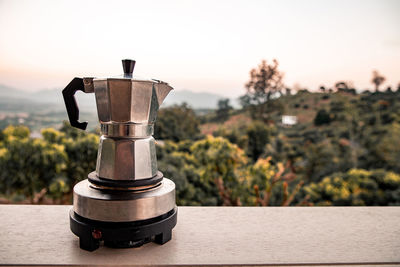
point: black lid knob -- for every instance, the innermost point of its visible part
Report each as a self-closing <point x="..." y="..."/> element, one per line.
<point x="128" y="65"/>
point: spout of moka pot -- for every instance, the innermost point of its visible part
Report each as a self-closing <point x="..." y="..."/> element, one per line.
<point x="162" y="89"/>
<point x="159" y="92"/>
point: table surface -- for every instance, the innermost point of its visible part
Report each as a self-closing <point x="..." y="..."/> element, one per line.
<point x="289" y="236"/>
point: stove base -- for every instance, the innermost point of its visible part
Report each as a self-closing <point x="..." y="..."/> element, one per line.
<point x="122" y="234"/>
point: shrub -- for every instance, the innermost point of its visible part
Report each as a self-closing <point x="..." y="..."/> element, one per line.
<point x="322" y="117"/>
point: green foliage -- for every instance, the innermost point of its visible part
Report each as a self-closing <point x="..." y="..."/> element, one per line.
<point x="271" y="186"/>
<point x="58" y="188"/>
<point x="322" y="159"/>
<point x="216" y="172"/>
<point x="217" y="158"/>
<point x="17" y="132"/>
<point x="335" y="150"/>
<point x="177" y="123"/>
<point x="382" y="146"/>
<point x="326" y="96"/>
<point x="223" y="110"/>
<point x="322" y="118"/>
<point x="70" y="131"/>
<point x="53" y="163"/>
<point x="81" y="148"/>
<point x="258" y="136"/>
<point x="28" y="165"/>
<point x="207" y="173"/>
<point x="82" y="155"/>
<point x="234" y="135"/>
<point x="356" y="187"/>
<point x="219" y="162"/>
<point x="176" y="163"/>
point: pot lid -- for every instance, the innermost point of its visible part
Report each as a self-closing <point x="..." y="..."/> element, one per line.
<point x="129" y="65"/>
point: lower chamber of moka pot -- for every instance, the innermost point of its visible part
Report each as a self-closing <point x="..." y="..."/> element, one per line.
<point x="123" y="217"/>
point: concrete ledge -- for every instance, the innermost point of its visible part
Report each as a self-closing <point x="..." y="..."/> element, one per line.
<point x="40" y="235"/>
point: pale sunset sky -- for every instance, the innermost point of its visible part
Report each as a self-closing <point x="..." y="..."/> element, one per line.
<point x="202" y="45"/>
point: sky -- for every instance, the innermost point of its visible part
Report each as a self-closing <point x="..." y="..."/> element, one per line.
<point x="203" y="45"/>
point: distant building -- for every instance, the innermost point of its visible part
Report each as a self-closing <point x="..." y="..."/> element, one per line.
<point x="288" y="120"/>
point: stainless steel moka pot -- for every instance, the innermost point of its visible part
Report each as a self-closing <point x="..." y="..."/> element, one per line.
<point x="126" y="201"/>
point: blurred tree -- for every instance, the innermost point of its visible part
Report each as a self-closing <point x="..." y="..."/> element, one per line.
<point x="53" y="136"/>
<point x="356" y="187"/>
<point x="70" y="131"/>
<point x="258" y="135"/>
<point x="15" y="132"/>
<point x="322" y="118"/>
<point x="245" y="101"/>
<point x="377" y="79"/>
<point x="341" y="110"/>
<point x="342" y="86"/>
<point x="271" y="183"/>
<point x="82" y="156"/>
<point x="221" y="163"/>
<point x="321" y="159"/>
<point x="177" y="123"/>
<point x="234" y="135"/>
<point x="223" y="110"/>
<point x="345" y="87"/>
<point x="176" y="163"/>
<point x="60" y="191"/>
<point x="28" y="166"/>
<point x="382" y="151"/>
<point x="81" y="148"/>
<point x="265" y="82"/>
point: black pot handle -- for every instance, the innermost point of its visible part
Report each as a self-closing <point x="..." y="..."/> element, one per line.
<point x="70" y="102"/>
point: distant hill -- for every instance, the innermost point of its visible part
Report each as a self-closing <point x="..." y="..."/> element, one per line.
<point x="86" y="102"/>
<point x="12" y="99"/>
<point x="197" y="100"/>
<point x="15" y="100"/>
<point x="7" y="91"/>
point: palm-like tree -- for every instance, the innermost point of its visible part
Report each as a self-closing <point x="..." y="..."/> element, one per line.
<point x="377" y="79"/>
